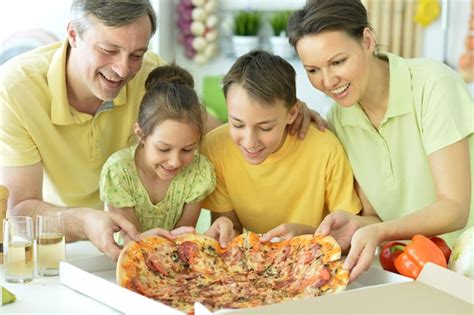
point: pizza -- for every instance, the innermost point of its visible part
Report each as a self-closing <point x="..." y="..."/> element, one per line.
<point x="248" y="273"/>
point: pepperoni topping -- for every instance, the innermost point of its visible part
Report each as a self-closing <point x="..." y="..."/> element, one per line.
<point x="187" y="251"/>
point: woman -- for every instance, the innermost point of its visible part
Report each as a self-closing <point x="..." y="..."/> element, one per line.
<point x="406" y="126"/>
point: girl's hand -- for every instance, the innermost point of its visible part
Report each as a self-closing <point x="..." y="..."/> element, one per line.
<point x="286" y="231"/>
<point x="363" y="245"/>
<point x="171" y="235"/>
<point x="222" y="229"/>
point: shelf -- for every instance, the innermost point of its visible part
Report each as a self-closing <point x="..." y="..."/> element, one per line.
<point x="261" y="5"/>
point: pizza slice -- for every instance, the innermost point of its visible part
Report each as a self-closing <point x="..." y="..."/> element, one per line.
<point x="258" y="255"/>
<point x="202" y="253"/>
<point x="316" y="268"/>
<point x="234" y="255"/>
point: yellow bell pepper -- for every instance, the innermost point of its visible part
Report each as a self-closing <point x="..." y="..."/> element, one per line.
<point x="427" y="11"/>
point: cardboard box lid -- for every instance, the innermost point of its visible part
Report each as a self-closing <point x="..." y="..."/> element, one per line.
<point x="450" y="282"/>
<point x="95" y="277"/>
<point x="437" y="290"/>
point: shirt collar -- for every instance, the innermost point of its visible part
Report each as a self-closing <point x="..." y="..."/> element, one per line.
<point x="61" y="112"/>
<point x="399" y="99"/>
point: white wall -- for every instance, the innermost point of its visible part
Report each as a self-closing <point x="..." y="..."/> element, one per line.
<point x="53" y="15"/>
<point x="444" y="39"/>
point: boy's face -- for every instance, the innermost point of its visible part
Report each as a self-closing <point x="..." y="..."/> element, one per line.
<point x="107" y="57"/>
<point x="257" y="130"/>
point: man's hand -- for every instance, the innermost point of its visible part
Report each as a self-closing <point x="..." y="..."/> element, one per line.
<point x="286" y="231"/>
<point x="222" y="229"/>
<point x="303" y="119"/>
<point x="100" y="226"/>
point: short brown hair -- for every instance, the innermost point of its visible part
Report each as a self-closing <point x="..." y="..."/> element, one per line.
<point x="318" y="16"/>
<point x="265" y="77"/>
<point x="113" y="13"/>
<point x="170" y="95"/>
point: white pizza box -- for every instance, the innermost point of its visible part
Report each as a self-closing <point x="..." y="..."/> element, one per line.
<point x="95" y="277"/>
<point x="437" y="290"/>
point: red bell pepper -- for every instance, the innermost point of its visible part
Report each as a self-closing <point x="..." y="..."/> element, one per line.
<point x="442" y="245"/>
<point x="389" y="252"/>
<point x="416" y="254"/>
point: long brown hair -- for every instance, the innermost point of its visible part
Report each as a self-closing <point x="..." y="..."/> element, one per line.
<point x="170" y="95"/>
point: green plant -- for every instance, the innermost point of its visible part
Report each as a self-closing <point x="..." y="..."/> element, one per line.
<point x="247" y="23"/>
<point x="279" y="22"/>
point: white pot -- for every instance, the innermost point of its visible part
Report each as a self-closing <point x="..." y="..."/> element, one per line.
<point x="281" y="47"/>
<point x="244" y="44"/>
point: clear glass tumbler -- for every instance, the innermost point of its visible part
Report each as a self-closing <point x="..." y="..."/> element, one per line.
<point x="50" y="244"/>
<point x="18" y="249"/>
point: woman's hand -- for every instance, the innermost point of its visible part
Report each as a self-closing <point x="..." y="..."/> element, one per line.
<point x="341" y="225"/>
<point x="286" y="231"/>
<point x="222" y="229"/>
<point x="303" y="119"/>
<point x="363" y="245"/>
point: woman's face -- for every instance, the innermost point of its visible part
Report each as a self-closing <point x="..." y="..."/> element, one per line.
<point x="256" y="129"/>
<point x="337" y="64"/>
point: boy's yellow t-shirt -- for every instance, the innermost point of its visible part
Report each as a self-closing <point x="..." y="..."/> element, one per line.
<point x="299" y="183"/>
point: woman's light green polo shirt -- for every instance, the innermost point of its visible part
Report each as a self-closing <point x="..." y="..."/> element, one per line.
<point x="429" y="108"/>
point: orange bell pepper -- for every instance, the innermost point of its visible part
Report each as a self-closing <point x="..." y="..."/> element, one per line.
<point x="416" y="254"/>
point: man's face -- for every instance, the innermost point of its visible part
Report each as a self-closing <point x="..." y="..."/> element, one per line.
<point x="107" y="57"/>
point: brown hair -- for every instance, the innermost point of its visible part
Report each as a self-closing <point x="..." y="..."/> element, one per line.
<point x="318" y="16"/>
<point x="265" y="77"/>
<point x="170" y="95"/>
<point x="113" y="13"/>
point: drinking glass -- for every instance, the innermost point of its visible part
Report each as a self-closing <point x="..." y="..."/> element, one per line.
<point x="18" y="249"/>
<point x="50" y="244"/>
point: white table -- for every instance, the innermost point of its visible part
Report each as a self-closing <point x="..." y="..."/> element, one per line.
<point x="47" y="295"/>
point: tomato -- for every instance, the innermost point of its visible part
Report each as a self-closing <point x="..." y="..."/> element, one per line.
<point x="390" y="251"/>
<point x="442" y="245"/>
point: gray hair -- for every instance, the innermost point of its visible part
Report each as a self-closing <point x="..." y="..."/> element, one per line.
<point x="114" y="13"/>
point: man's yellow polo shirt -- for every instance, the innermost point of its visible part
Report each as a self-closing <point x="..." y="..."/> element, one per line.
<point x="39" y="125"/>
<point x="429" y="108"/>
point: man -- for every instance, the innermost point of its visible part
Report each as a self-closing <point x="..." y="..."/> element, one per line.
<point x="66" y="107"/>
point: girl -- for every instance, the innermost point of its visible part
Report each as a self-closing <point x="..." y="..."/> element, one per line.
<point x="160" y="181"/>
<point x="406" y="126"/>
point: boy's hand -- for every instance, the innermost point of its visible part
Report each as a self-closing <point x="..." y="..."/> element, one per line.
<point x="222" y="230"/>
<point x="286" y="231"/>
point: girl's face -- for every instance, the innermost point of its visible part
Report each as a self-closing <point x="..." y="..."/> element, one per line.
<point x="169" y="148"/>
<point x="257" y="130"/>
<point x="337" y="64"/>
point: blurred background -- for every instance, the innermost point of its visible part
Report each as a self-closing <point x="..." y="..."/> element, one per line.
<point x="200" y="35"/>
